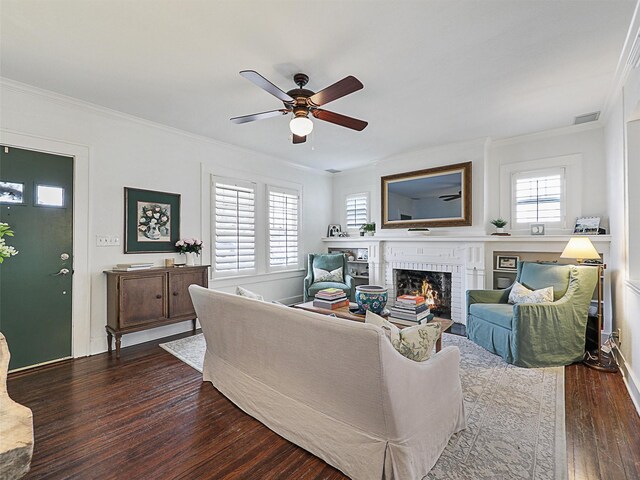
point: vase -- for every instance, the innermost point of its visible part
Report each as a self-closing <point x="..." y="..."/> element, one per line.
<point x="369" y="234"/>
<point x="499" y="229"/>
<point x="191" y="259"/>
<point x="371" y="297"/>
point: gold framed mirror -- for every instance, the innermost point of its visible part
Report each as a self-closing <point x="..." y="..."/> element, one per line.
<point x="435" y="197"/>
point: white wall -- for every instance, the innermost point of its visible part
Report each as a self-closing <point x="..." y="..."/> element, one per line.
<point x="367" y="179"/>
<point x="624" y="207"/>
<point x="583" y="142"/>
<point x="125" y="151"/>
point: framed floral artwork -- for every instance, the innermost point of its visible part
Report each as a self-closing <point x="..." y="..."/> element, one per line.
<point x="152" y="221"/>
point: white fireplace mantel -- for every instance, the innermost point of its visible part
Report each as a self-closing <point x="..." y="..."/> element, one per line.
<point x="471" y="257"/>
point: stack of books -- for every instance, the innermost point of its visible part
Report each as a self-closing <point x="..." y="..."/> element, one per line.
<point x="130" y="267"/>
<point x="330" y="299"/>
<point x="410" y="310"/>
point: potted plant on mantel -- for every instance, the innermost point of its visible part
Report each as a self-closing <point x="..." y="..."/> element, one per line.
<point x="368" y="229"/>
<point x="499" y="223"/>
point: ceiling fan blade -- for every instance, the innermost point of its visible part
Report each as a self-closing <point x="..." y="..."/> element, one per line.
<point x="298" y="139"/>
<point x="339" y="119"/>
<point x="338" y="90"/>
<point x="266" y="85"/>
<point x="259" y="116"/>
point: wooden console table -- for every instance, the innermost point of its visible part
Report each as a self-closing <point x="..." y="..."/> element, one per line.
<point x="144" y="299"/>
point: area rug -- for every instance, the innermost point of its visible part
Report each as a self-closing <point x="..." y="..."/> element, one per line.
<point x="515" y="416"/>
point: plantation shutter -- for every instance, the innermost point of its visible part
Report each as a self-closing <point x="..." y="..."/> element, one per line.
<point x="539" y="196"/>
<point x="357" y="210"/>
<point x="284" y="207"/>
<point x="234" y="223"/>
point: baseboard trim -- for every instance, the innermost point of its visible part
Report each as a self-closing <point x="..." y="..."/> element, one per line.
<point x="291" y="300"/>
<point x="630" y="381"/>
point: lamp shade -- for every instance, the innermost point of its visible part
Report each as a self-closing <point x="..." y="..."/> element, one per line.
<point x="580" y="248"/>
<point x="301" y="126"/>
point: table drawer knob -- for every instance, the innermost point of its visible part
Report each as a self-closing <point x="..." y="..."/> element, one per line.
<point x="158" y="296"/>
<point x="175" y="294"/>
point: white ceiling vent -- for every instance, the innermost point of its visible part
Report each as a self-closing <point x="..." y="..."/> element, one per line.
<point x="586" y="118"/>
<point x="332" y="170"/>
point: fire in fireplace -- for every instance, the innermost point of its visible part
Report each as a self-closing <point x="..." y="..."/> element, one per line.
<point x="434" y="286"/>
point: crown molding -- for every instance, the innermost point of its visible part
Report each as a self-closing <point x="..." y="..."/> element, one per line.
<point x="66" y="100"/>
<point x="625" y="64"/>
<point x="553" y="132"/>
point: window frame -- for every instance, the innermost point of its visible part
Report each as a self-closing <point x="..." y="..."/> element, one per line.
<point x="297" y="192"/>
<point x="572" y="163"/>
<point x="543" y="172"/>
<point x="242" y="184"/>
<point x="367" y="197"/>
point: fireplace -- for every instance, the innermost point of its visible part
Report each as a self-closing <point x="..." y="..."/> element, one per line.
<point x="435" y="287"/>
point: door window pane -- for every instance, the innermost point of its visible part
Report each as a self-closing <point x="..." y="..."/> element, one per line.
<point x="11" y="192"/>
<point x="49" y="196"/>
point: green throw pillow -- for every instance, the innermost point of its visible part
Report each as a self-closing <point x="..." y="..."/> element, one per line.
<point x="416" y="343"/>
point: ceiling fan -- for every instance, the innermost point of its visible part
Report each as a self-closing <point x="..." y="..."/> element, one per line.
<point x="302" y="102"/>
<point x="448" y="198"/>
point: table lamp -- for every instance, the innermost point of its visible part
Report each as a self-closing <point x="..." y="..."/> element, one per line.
<point x="581" y="249"/>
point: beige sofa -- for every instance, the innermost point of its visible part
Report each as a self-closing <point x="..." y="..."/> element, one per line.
<point x="335" y="387"/>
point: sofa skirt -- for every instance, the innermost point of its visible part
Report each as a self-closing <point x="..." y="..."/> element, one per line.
<point x="356" y="453"/>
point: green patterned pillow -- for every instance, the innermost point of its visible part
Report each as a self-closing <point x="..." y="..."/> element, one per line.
<point x="321" y="275"/>
<point x="416" y="343"/>
<point x="521" y="294"/>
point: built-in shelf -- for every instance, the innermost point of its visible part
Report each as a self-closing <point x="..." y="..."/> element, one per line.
<point x="357" y="261"/>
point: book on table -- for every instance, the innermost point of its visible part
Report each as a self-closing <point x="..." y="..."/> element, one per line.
<point x="330" y="294"/>
<point x="394" y="312"/>
<point x="411" y="323"/>
<point x="128" y="267"/>
<point x="331" y="304"/>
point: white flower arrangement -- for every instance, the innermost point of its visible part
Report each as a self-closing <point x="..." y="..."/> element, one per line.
<point x="189" y="245"/>
<point x="6" y="251"/>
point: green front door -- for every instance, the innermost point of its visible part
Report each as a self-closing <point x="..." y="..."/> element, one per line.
<point x="36" y="195"/>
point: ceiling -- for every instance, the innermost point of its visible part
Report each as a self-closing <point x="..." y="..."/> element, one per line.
<point x="434" y="71"/>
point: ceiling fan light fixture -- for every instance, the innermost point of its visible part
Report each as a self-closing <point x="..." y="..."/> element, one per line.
<point x="301" y="125"/>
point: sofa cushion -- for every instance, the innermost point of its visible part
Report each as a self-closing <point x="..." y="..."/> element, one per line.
<point x="243" y="292"/>
<point x="321" y="275"/>
<point x="539" y="275"/>
<point x="316" y="287"/>
<point x="416" y="343"/>
<point x="500" y="314"/>
<point x="521" y="294"/>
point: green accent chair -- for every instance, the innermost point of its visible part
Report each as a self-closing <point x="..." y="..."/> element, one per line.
<point x="535" y="335"/>
<point x="327" y="261"/>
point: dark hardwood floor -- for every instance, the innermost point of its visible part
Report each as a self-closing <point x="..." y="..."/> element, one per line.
<point x="149" y="416"/>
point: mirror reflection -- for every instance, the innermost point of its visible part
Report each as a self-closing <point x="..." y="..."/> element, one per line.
<point x="430" y="197"/>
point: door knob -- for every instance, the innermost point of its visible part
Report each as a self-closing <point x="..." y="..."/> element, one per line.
<point x="64" y="256"/>
<point x="63" y="271"/>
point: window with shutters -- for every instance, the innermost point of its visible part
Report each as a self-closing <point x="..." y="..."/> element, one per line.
<point x="538" y="197"/>
<point x="284" y="228"/>
<point x="234" y="227"/>
<point x="357" y="210"/>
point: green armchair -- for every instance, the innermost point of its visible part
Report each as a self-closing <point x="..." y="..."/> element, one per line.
<point x="535" y="335"/>
<point x="329" y="262"/>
